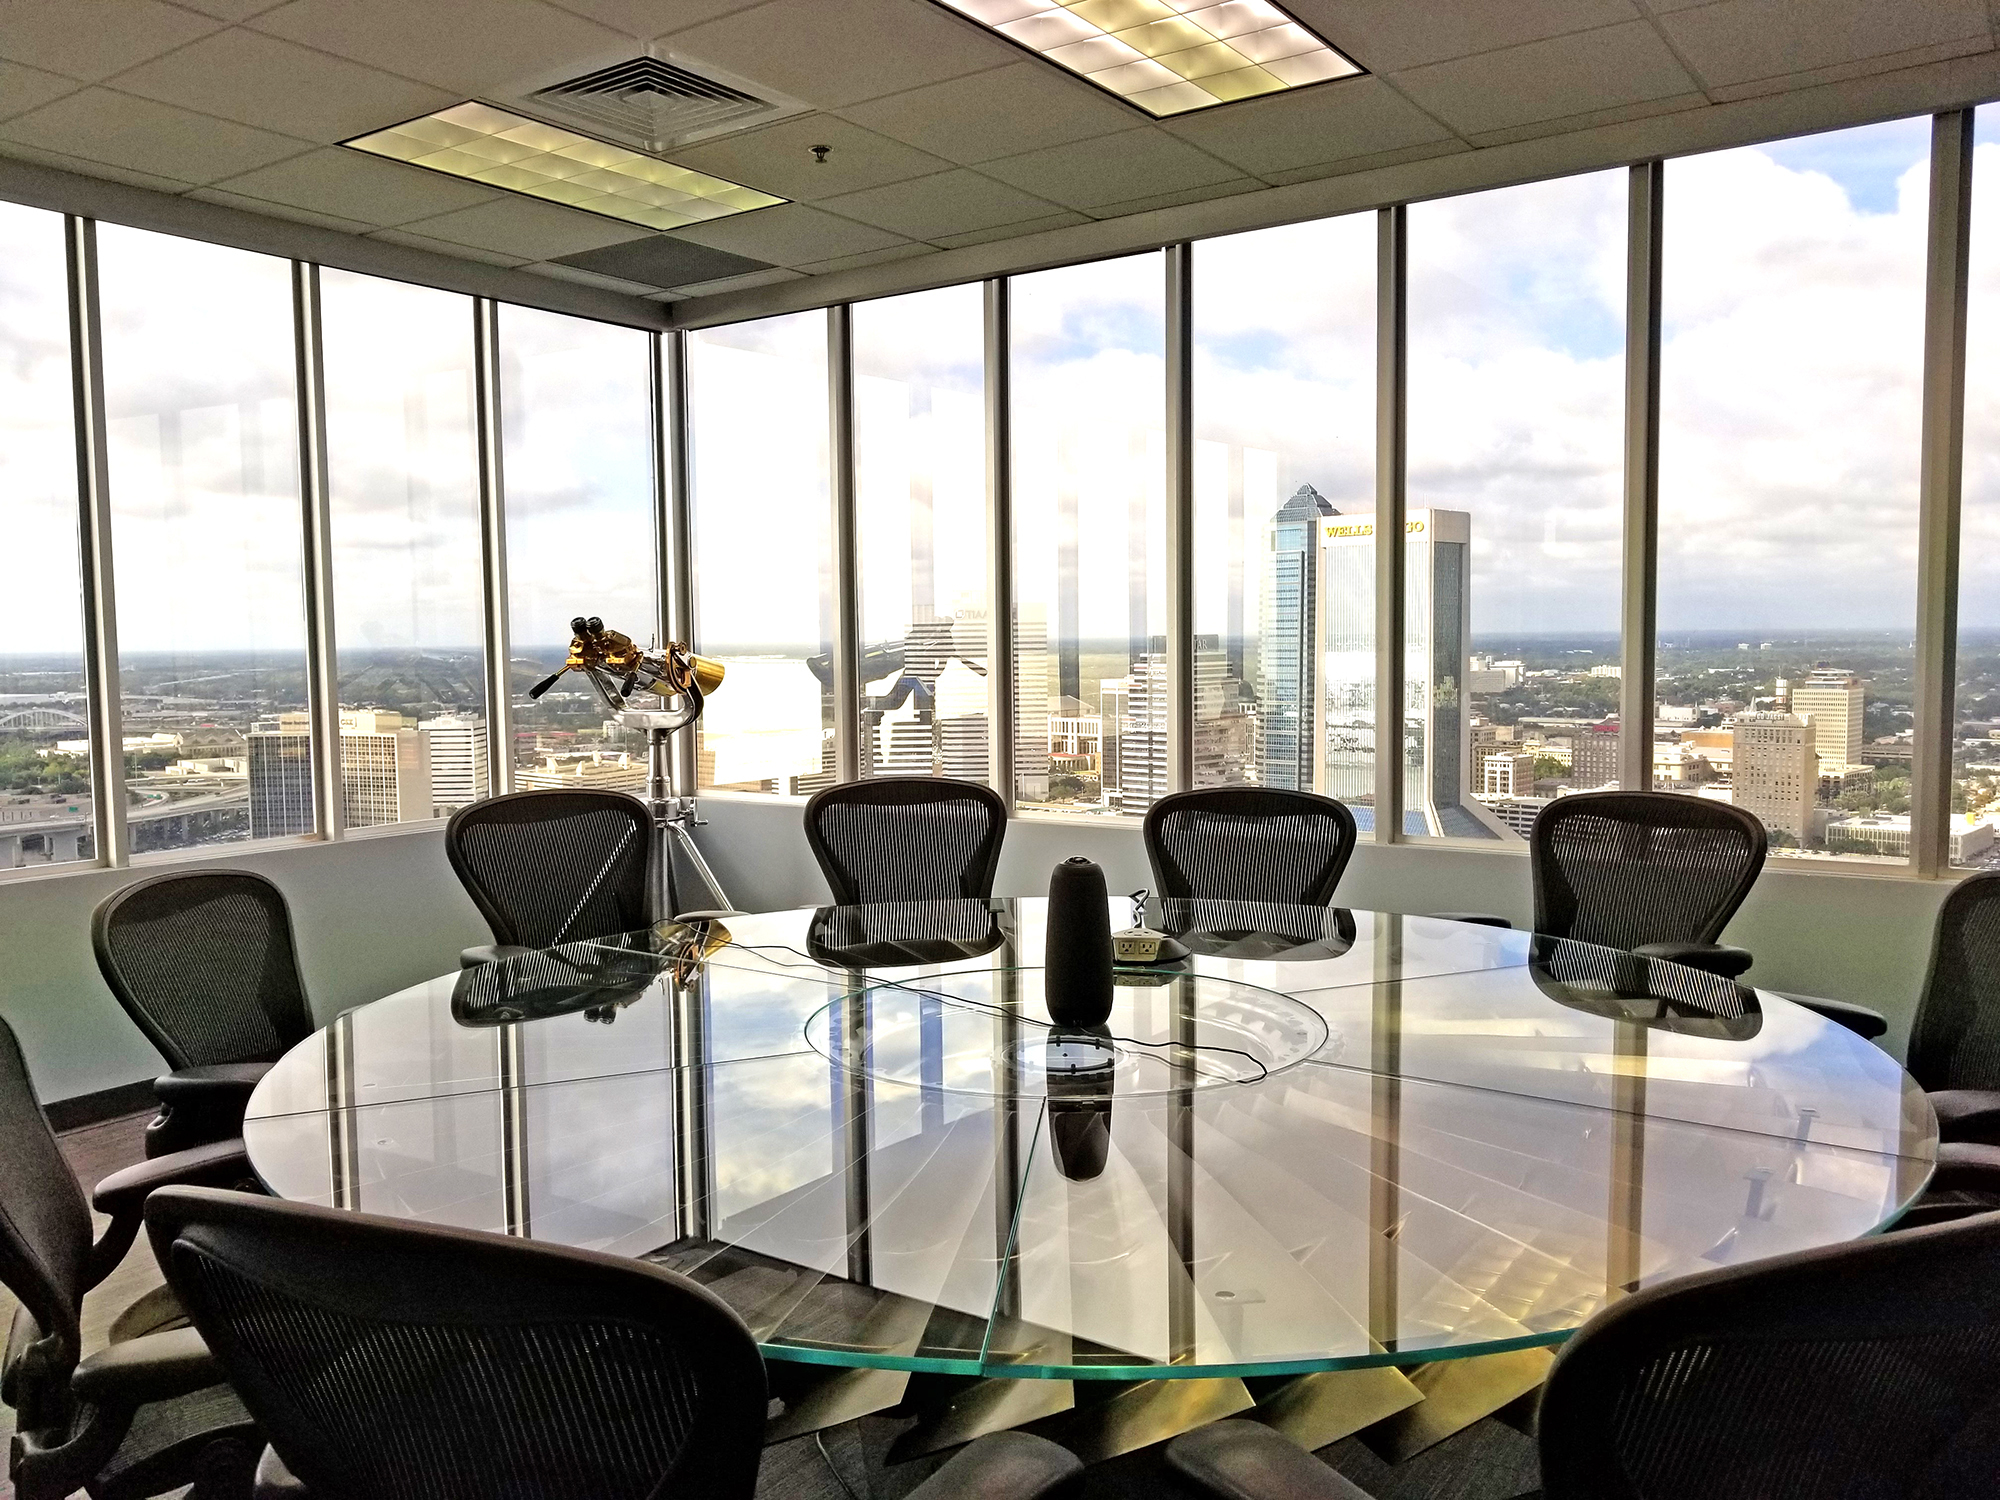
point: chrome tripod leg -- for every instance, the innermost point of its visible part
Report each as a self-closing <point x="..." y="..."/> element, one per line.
<point x="679" y="839"/>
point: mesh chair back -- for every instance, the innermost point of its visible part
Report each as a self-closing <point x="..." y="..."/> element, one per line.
<point x="1624" y="868"/>
<point x="397" y="1361"/>
<point x="551" y="867"/>
<point x="205" y="965"/>
<point x="1955" y="1040"/>
<point x="44" y="1239"/>
<point x="1249" y="844"/>
<point x="1863" y="1371"/>
<point x="907" y="838"/>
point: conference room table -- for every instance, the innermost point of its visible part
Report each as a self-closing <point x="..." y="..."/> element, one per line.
<point x="1332" y="1164"/>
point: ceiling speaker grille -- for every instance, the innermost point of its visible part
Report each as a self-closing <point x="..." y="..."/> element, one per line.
<point x="651" y="104"/>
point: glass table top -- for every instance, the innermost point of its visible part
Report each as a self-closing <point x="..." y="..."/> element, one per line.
<point x="1327" y="1140"/>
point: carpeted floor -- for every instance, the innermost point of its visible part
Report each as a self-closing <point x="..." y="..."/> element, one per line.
<point x="1487" y="1461"/>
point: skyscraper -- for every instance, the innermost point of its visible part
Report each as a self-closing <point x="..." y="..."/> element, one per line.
<point x="1141" y="706"/>
<point x="458" y="761"/>
<point x="1833" y="699"/>
<point x="1031" y="702"/>
<point x="1775" y="770"/>
<point x="1594" y="761"/>
<point x="1288" y="643"/>
<point x="385" y="773"/>
<point x="279" y="751"/>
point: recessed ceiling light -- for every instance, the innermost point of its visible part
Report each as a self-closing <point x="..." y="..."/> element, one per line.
<point x="1167" y="56"/>
<point x="510" y="151"/>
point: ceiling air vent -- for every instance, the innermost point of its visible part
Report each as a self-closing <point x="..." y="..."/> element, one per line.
<point x="652" y="104"/>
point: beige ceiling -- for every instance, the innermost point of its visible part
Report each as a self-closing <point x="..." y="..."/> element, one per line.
<point x="941" y="135"/>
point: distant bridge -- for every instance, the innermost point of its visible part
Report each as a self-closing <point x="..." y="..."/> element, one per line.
<point x="43" y="718"/>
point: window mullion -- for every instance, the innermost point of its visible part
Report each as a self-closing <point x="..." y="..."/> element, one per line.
<point x="1000" y="658"/>
<point x="316" y="530"/>
<point x="493" y="553"/>
<point x="1391" y="506"/>
<point x="1639" y="631"/>
<point x="849" y="755"/>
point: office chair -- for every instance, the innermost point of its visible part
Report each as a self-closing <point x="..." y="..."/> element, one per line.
<point x="388" y="1359"/>
<point x="1244" y="843"/>
<point x="1656" y="874"/>
<point x="205" y="965"/>
<point x="552" y="867"/>
<point x="1863" y="1371"/>
<point x="148" y="1414"/>
<point x="1955" y="1038"/>
<point x="907" y="838"/>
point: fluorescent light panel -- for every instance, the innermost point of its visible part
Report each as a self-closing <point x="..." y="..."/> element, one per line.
<point x="1167" y="56"/>
<point x="510" y="151"/>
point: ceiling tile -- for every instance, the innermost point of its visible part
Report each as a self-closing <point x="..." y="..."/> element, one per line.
<point x="121" y="131"/>
<point x="1785" y="83"/>
<point x="829" y="55"/>
<point x="590" y="278"/>
<point x="1011" y="231"/>
<point x="467" y="46"/>
<point x="68" y="163"/>
<point x="871" y="258"/>
<point x="93" y="42"/>
<point x="1645" y="110"/>
<point x="1111" y="169"/>
<point x="952" y="202"/>
<point x="447" y="247"/>
<point x="646" y="19"/>
<point x="1352" y="117"/>
<point x="1569" y="75"/>
<point x="260" y="80"/>
<point x="1450" y="146"/>
<point x="738" y="283"/>
<point x="790" y="235"/>
<point x="1226" y="189"/>
<point x="353" y="186"/>
<point x="23" y="89"/>
<point x="1385" y="35"/>
<point x="779" y="158"/>
<point x="280" y="211"/>
<point x="523" y="227"/>
<point x="1019" y="108"/>
<point x="1740" y="40"/>
<point x="230" y="10"/>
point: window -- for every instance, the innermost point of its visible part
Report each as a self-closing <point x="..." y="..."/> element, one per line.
<point x="763" y="552"/>
<point x="920" y="488"/>
<point x="577" y="422"/>
<point x="1790" y="413"/>
<point x="403" y="477"/>
<point x="1516" y="401"/>
<point x="202" y="429"/>
<point x="1284" y="500"/>
<point x="1975" y="793"/>
<point x="1089" y="437"/>
<point x="45" y="795"/>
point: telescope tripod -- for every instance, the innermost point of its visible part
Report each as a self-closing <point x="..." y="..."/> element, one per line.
<point x="683" y="886"/>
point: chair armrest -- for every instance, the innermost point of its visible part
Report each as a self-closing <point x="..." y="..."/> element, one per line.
<point x="1239" y="1460"/>
<point x="1002" y="1466"/>
<point x="212" y="1085"/>
<point x="1971" y="1115"/>
<point x="491" y="953"/>
<point x="1477" y="918"/>
<point x="1858" y="1019"/>
<point x="157" y="1367"/>
<point x="218" y="1164"/>
<point x="1711" y="958"/>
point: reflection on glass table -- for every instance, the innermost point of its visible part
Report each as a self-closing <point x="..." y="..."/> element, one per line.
<point x="1339" y="1139"/>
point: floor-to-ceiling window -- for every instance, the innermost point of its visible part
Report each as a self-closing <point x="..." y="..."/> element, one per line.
<point x="762" y="520"/>
<point x="1089" y="466"/>
<point x="576" y="405"/>
<point x="201" y="411"/>
<point x="920" y="494"/>
<point x="1284" y="503"/>
<point x="403" y="486"/>
<point x="45" y="793"/>
<point x="1975" y="792"/>
<point x="1790" y="412"/>
<point x="1515" y="501"/>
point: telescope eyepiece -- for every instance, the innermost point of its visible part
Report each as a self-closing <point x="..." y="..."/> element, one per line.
<point x="596" y="625"/>
<point x="579" y="625"/>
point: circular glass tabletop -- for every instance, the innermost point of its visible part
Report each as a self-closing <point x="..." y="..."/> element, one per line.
<point x="1327" y="1140"/>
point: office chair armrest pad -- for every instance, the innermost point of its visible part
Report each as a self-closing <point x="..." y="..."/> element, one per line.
<point x="1002" y="1466"/>
<point x="1711" y="958"/>
<point x="1971" y="1115"/>
<point x="1858" y="1019"/>
<point x="218" y="1164"/>
<point x="155" y="1367"/>
<point x="210" y="1084"/>
<point x="491" y="953"/>
<point x="1239" y="1460"/>
<point x="1477" y="918"/>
